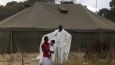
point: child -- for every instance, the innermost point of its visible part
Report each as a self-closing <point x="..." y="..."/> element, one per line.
<point x="52" y="50"/>
<point x="52" y="46"/>
<point x="46" y="60"/>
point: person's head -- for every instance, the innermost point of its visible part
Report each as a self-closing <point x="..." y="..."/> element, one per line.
<point x="52" y="42"/>
<point x="60" y="28"/>
<point x="46" y="38"/>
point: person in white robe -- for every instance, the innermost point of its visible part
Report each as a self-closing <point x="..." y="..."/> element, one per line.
<point x="62" y="45"/>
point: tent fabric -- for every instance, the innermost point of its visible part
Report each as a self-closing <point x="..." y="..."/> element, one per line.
<point x="37" y="16"/>
<point x="24" y="30"/>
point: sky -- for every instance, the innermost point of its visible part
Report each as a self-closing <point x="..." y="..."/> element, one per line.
<point x="3" y="2"/>
<point x="91" y="4"/>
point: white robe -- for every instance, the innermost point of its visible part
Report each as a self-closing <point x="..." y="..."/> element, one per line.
<point x="62" y="45"/>
<point x="46" y="61"/>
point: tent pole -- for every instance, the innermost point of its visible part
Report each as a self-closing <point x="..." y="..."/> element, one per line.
<point x="11" y="41"/>
<point x="22" y="58"/>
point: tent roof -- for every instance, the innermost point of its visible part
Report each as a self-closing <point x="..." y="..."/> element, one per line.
<point x="48" y="16"/>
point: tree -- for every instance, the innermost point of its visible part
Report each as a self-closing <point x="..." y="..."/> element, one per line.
<point x="112" y="3"/>
<point x="14" y="7"/>
<point x="112" y="11"/>
<point x="11" y="8"/>
<point x="109" y="14"/>
<point x="104" y="12"/>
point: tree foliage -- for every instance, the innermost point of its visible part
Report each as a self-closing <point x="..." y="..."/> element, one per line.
<point x="104" y="12"/>
<point x="14" y="7"/>
<point x="11" y="8"/>
<point x="110" y="14"/>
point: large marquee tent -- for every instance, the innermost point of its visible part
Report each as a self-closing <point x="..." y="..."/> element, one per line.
<point x="24" y="30"/>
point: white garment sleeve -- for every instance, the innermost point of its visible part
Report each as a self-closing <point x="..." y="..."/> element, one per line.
<point x="67" y="44"/>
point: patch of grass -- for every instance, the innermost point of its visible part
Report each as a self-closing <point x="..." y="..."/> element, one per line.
<point x="75" y="58"/>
